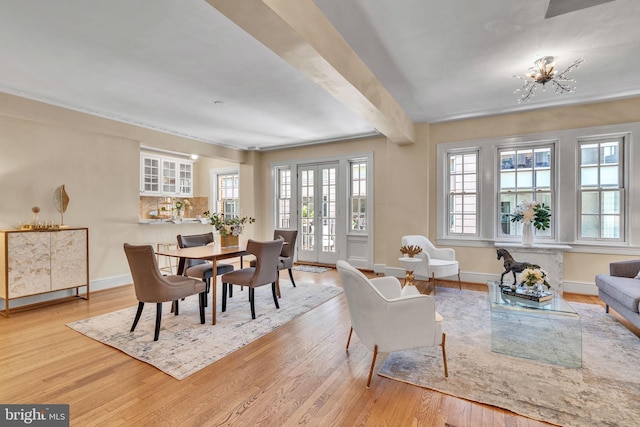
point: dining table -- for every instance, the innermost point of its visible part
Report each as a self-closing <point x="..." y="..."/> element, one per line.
<point x="213" y="253"/>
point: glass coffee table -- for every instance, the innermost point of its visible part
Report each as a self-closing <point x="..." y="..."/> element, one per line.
<point x="548" y="331"/>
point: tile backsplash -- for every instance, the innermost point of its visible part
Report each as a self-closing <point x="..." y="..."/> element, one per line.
<point x="164" y="207"/>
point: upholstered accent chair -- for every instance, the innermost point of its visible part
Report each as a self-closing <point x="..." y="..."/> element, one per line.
<point x="152" y="287"/>
<point x="263" y="273"/>
<point x="436" y="263"/>
<point x="197" y="268"/>
<point x="386" y="318"/>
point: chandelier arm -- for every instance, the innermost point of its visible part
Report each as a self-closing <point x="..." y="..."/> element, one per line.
<point x="528" y="89"/>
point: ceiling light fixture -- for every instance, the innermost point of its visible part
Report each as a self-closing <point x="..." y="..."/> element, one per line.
<point x="543" y="72"/>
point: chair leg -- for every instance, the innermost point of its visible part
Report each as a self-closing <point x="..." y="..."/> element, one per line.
<point x="275" y="294"/>
<point x="459" y="283"/>
<point x="230" y="290"/>
<point x="444" y="356"/>
<point x="203" y="303"/>
<point x="373" y="364"/>
<point x="433" y="281"/>
<point x="349" y="339"/>
<point x="606" y="310"/>
<point x="158" y="319"/>
<point x="252" y="294"/>
<point x="291" y="277"/>
<point x="278" y="285"/>
<point x="176" y="308"/>
<point x="138" y="313"/>
<point x="224" y="297"/>
<point x="206" y="291"/>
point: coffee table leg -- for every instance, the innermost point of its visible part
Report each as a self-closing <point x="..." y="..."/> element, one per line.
<point x="214" y="287"/>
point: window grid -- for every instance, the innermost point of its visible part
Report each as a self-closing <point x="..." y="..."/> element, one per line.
<point x="463" y="193"/>
<point x="358" y="196"/>
<point x="284" y="198"/>
<point x="601" y="183"/>
<point x="525" y="174"/>
<point x="229" y="195"/>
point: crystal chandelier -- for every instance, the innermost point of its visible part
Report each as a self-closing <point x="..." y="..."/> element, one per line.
<point x="545" y="72"/>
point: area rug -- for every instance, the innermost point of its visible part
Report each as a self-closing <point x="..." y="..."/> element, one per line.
<point x="604" y="392"/>
<point x="185" y="346"/>
<point x="310" y="268"/>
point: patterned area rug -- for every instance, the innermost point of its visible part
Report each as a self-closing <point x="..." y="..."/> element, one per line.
<point x="310" y="268"/>
<point x="185" y="346"/>
<point x="604" y="392"/>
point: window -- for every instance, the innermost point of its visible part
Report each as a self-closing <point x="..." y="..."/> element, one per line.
<point x="228" y="195"/>
<point x="284" y="197"/>
<point x="524" y="173"/>
<point x="358" y="196"/>
<point x="463" y="193"/>
<point x="601" y="184"/>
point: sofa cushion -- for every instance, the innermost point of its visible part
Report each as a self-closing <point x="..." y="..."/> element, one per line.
<point x="623" y="289"/>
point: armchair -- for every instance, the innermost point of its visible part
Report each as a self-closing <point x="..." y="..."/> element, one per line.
<point x="436" y="262"/>
<point x="385" y="319"/>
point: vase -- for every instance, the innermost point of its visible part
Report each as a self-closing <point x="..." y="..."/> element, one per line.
<point x="527" y="234"/>
<point x="229" y="241"/>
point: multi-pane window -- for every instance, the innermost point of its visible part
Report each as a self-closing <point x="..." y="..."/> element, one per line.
<point x="601" y="189"/>
<point x="229" y="195"/>
<point x="463" y="193"/>
<point x="358" y="196"/>
<point x="525" y="173"/>
<point x="284" y="198"/>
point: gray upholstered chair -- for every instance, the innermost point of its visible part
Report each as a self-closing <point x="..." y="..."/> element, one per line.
<point x="387" y="318"/>
<point x="265" y="272"/>
<point x="152" y="287"/>
<point x="199" y="268"/>
<point x="285" y="260"/>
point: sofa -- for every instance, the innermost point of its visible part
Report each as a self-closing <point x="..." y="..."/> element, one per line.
<point x="620" y="289"/>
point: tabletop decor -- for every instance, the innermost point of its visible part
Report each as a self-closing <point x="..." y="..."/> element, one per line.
<point x="61" y="201"/>
<point x="531" y="214"/>
<point x="410" y="250"/>
<point x="182" y="204"/>
<point x="228" y="227"/>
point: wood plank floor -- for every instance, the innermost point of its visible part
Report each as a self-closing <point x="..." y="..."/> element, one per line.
<point x="298" y="374"/>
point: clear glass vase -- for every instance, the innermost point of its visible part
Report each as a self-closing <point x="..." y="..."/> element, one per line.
<point x="527" y="234"/>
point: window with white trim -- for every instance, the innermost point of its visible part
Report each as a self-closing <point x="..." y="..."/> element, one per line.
<point x="525" y="173"/>
<point x="284" y="198"/>
<point x="229" y="195"/>
<point x="462" y="190"/>
<point x="601" y="184"/>
<point x="358" y="196"/>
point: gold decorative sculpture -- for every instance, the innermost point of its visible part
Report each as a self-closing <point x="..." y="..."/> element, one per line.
<point x="410" y="250"/>
<point x="61" y="200"/>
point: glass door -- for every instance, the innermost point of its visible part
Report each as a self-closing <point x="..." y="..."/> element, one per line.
<point x="317" y="189"/>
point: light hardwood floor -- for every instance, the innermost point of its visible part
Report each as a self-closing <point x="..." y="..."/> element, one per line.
<point x="298" y="374"/>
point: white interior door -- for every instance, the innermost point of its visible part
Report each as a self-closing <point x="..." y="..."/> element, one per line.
<point x="317" y="213"/>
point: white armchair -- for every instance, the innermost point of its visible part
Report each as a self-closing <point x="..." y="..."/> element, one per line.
<point x="387" y="320"/>
<point x="436" y="262"/>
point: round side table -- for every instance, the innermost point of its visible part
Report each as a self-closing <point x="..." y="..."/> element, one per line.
<point x="409" y="265"/>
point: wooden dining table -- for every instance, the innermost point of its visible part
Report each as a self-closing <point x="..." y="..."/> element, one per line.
<point x="211" y="253"/>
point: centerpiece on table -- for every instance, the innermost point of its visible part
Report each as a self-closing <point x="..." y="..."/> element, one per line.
<point x="229" y="228"/>
<point x="532" y="285"/>
<point x="531" y="214"/>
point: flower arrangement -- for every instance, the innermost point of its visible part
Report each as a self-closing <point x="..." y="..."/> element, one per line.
<point x="535" y="213"/>
<point x="228" y="226"/>
<point x="531" y="277"/>
<point x="185" y="203"/>
<point x="410" y="250"/>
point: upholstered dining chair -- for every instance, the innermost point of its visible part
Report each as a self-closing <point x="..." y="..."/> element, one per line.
<point x="386" y="318"/>
<point x="436" y="262"/>
<point x="152" y="287"/>
<point x="265" y="272"/>
<point x="285" y="260"/>
<point x="200" y="269"/>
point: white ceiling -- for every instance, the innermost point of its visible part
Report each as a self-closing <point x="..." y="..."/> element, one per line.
<point x="184" y="68"/>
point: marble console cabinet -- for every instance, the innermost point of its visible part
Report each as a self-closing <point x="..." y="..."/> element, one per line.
<point x="548" y="257"/>
<point x="34" y="262"/>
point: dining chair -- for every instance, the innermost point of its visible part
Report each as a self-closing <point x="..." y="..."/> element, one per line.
<point x="263" y="273"/>
<point x="285" y="260"/>
<point x="386" y="318"/>
<point x="152" y="287"/>
<point x="200" y="269"/>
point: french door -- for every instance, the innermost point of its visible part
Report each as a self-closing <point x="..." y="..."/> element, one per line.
<point x="318" y="212"/>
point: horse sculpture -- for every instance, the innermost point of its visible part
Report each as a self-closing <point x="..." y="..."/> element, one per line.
<point x="511" y="265"/>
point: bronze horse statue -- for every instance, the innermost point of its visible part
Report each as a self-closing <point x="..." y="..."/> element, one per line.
<point x="511" y="265"/>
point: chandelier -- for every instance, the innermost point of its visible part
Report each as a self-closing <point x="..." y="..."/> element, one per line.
<point x="544" y="72"/>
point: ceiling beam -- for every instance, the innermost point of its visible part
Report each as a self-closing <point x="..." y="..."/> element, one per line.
<point x="298" y="32"/>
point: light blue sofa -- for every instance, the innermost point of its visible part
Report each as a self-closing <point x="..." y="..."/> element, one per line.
<point x="620" y="290"/>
